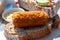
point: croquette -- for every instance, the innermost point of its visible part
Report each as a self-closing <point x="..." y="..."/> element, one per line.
<point x="29" y="18"/>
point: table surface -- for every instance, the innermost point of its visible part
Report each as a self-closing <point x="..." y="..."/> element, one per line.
<point x="54" y="34"/>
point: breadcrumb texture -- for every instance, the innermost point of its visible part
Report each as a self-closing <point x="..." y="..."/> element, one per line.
<point x="29" y="18"/>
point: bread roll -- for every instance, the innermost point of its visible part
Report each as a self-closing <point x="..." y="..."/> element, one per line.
<point x="25" y="33"/>
<point x="29" y="18"/>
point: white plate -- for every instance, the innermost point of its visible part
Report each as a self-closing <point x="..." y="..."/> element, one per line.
<point x="2" y="37"/>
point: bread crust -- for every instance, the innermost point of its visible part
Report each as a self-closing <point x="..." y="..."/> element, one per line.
<point x="30" y="18"/>
<point x="25" y="34"/>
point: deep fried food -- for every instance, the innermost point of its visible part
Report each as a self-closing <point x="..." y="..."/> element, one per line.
<point x="29" y="18"/>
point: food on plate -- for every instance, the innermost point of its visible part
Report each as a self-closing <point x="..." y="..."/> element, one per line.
<point x="45" y="2"/>
<point x="42" y="1"/>
<point x="30" y="18"/>
<point x="8" y="17"/>
<point x="25" y="34"/>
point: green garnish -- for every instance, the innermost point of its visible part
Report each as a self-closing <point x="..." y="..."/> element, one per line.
<point x="42" y="1"/>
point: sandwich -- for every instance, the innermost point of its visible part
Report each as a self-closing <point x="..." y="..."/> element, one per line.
<point x="29" y="25"/>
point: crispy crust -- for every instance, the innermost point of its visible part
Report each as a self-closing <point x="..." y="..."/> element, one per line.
<point x="29" y="18"/>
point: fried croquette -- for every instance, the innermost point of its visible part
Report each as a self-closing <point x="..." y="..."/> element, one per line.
<point x="30" y="18"/>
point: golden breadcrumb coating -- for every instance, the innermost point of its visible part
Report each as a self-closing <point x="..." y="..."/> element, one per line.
<point x="29" y="18"/>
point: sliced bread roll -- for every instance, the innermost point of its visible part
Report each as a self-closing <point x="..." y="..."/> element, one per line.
<point x="26" y="33"/>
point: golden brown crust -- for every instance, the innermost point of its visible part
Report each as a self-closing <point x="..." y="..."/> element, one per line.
<point x="29" y="18"/>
